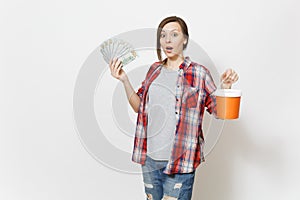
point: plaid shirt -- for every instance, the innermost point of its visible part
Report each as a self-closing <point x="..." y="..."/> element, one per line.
<point x="194" y="87"/>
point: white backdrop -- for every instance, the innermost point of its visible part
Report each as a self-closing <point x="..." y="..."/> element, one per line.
<point x="44" y="44"/>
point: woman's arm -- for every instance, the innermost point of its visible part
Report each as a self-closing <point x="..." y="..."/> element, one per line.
<point x="117" y="72"/>
<point x="227" y="79"/>
<point x="133" y="98"/>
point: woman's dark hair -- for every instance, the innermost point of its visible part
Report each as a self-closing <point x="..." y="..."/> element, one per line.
<point x="165" y="21"/>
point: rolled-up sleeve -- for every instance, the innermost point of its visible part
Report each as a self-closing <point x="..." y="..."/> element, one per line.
<point x="151" y="70"/>
<point x="210" y="88"/>
<point x="141" y="90"/>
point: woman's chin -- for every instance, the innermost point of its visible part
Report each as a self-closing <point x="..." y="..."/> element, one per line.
<point x="169" y="53"/>
<point x="172" y="55"/>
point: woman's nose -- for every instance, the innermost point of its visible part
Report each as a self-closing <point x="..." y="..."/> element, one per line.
<point x="168" y="38"/>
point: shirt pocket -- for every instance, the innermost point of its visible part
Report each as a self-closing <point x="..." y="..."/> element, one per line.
<point x="190" y="96"/>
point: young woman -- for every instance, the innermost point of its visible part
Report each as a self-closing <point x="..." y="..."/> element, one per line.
<point x="170" y="104"/>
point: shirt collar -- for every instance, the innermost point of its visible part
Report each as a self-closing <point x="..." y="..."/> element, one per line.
<point x="186" y="63"/>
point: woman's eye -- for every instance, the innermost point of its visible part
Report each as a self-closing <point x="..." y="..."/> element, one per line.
<point x="162" y="35"/>
<point x="175" y="34"/>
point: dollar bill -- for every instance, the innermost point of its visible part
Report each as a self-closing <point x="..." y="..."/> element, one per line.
<point x="117" y="48"/>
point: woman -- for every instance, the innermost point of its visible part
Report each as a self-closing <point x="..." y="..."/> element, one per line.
<point x="170" y="104"/>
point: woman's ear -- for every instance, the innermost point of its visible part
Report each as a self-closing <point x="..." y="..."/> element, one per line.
<point x="185" y="42"/>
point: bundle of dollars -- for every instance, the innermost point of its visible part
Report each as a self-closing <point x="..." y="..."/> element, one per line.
<point x="117" y="48"/>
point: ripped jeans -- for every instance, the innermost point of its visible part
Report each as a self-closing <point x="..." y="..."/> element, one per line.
<point x="160" y="186"/>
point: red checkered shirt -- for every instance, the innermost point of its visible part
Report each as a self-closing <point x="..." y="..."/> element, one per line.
<point x="194" y="87"/>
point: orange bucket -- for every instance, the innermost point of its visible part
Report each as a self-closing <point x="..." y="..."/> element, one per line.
<point x="228" y="103"/>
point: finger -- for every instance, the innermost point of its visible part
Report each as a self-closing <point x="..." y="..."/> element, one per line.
<point x="232" y="72"/>
<point x="118" y="69"/>
<point x="111" y="65"/>
<point x="223" y="77"/>
<point x="235" y="77"/>
<point x="120" y="65"/>
<point x="226" y="77"/>
<point x="117" y="65"/>
<point x="228" y="73"/>
<point x="119" y="62"/>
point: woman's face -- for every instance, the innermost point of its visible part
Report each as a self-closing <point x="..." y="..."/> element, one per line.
<point x="172" y="40"/>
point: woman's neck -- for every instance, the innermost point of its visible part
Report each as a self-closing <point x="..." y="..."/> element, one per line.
<point x="174" y="63"/>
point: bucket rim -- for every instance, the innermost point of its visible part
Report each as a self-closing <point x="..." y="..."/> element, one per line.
<point x="228" y="93"/>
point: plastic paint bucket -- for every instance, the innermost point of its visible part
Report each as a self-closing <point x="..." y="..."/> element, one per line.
<point x="228" y="103"/>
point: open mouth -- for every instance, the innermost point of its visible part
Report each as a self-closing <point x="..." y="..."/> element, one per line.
<point x="169" y="49"/>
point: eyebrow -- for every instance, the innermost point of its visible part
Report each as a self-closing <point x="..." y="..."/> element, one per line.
<point x="169" y="30"/>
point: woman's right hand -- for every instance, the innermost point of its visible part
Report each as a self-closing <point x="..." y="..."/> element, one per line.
<point x="116" y="70"/>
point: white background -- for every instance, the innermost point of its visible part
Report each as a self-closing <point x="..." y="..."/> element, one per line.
<point x="43" y="45"/>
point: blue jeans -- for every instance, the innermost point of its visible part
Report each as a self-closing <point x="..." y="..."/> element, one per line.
<point x="164" y="186"/>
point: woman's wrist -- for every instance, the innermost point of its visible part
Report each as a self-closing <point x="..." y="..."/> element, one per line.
<point x="225" y="86"/>
<point x="125" y="80"/>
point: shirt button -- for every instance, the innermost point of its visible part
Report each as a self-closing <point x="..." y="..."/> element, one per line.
<point x="178" y="86"/>
<point x="176" y="113"/>
<point x="176" y="99"/>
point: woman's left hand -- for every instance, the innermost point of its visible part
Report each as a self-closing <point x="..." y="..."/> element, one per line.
<point x="228" y="78"/>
